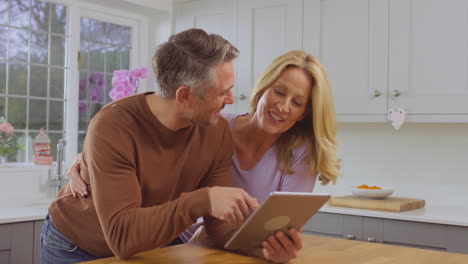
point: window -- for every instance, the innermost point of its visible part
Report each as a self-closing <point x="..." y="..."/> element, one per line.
<point x="104" y="48"/>
<point x="33" y="37"/>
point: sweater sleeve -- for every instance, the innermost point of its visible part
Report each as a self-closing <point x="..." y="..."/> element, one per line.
<point x="116" y="192"/>
<point x="300" y="180"/>
<point x="219" y="175"/>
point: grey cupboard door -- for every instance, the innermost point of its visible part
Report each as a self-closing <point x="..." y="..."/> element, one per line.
<point x="5" y="243"/>
<point x="21" y="243"/>
<point x="36" y="241"/>
<point x="352" y="227"/>
<point x="372" y="229"/>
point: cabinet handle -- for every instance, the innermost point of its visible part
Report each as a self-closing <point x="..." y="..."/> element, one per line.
<point x="242" y="97"/>
<point x="376" y="93"/>
<point x="350" y="237"/>
<point x="396" y="93"/>
<point x="371" y="239"/>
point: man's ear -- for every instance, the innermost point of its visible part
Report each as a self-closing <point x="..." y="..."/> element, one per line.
<point x="183" y="95"/>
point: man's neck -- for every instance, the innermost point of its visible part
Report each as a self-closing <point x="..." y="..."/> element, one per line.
<point x="167" y="112"/>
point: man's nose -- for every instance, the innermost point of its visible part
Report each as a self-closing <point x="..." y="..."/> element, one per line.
<point x="229" y="99"/>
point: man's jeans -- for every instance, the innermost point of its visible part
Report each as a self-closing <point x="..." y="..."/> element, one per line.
<point x="57" y="249"/>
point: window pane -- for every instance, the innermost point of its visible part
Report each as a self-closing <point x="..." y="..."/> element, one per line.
<point x="83" y="86"/>
<point x="105" y="47"/>
<point x="109" y="87"/>
<point x="18" y="79"/>
<point x="126" y="37"/>
<point x="3" y="42"/>
<point x="18" y="44"/>
<point x="38" y="81"/>
<point x="112" y="59"/>
<point x="40" y="15"/>
<point x="57" y="83"/>
<point x="83" y="115"/>
<point x="19" y="156"/>
<point x="97" y="87"/>
<point x="37" y="114"/>
<point x="125" y="59"/>
<point x="39" y="47"/>
<point x="2" y="106"/>
<point x="19" y="12"/>
<point x="57" y="50"/>
<point x="59" y="18"/>
<point x="54" y="138"/>
<point x="84" y="28"/>
<point x="96" y="57"/>
<point x="17" y="112"/>
<point x="119" y="35"/>
<point x="56" y="115"/>
<point x="81" y="138"/>
<point x="4" y="12"/>
<point x="96" y="31"/>
<point x="84" y="54"/>
<point x="2" y="77"/>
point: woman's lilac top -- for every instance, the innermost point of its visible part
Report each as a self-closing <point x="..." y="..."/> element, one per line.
<point x="265" y="176"/>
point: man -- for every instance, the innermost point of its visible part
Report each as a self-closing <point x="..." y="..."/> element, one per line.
<point x="154" y="162"/>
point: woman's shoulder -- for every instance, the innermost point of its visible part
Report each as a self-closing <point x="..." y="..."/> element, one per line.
<point x="231" y="118"/>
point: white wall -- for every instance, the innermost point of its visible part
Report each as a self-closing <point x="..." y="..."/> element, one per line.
<point x="428" y="161"/>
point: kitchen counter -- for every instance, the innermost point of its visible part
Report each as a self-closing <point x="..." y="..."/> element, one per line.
<point x="449" y="215"/>
<point x="315" y="250"/>
<point x="22" y="213"/>
<point x="430" y="214"/>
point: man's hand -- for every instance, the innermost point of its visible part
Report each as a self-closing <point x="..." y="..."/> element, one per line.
<point x="280" y="248"/>
<point x="231" y="204"/>
<point x="77" y="185"/>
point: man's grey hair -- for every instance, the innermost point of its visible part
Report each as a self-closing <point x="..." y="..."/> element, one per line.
<point x="187" y="59"/>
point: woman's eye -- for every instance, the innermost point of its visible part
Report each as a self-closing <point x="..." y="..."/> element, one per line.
<point x="279" y="92"/>
<point x="297" y="103"/>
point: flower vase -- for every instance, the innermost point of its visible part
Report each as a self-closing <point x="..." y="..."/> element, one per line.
<point x="3" y="160"/>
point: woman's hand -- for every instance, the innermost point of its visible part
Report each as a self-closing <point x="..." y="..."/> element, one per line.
<point x="280" y="248"/>
<point x="77" y="185"/>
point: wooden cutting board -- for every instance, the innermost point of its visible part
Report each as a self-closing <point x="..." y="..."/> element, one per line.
<point x="392" y="204"/>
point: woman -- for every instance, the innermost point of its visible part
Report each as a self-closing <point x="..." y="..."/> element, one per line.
<point x="288" y="138"/>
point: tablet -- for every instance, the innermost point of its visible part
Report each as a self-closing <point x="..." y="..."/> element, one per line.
<point x="279" y="212"/>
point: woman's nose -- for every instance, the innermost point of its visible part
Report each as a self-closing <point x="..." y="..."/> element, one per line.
<point x="283" y="106"/>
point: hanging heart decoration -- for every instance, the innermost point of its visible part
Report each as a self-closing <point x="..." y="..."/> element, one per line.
<point x="397" y="117"/>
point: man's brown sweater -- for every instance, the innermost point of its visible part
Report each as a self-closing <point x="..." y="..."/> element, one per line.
<point x="146" y="182"/>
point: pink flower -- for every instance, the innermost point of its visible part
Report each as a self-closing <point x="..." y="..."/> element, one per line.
<point x="121" y="74"/>
<point x="125" y="82"/>
<point x="139" y="73"/>
<point x="7" y="128"/>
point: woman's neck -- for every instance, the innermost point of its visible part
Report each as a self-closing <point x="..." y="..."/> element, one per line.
<point x="248" y="136"/>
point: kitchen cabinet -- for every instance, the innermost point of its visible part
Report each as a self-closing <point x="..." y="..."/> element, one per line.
<point x="19" y="242"/>
<point x="383" y="54"/>
<point x="388" y="231"/>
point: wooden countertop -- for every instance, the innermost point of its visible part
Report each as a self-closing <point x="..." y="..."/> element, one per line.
<point x="316" y="250"/>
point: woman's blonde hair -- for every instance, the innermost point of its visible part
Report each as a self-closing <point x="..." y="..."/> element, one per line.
<point x="317" y="129"/>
